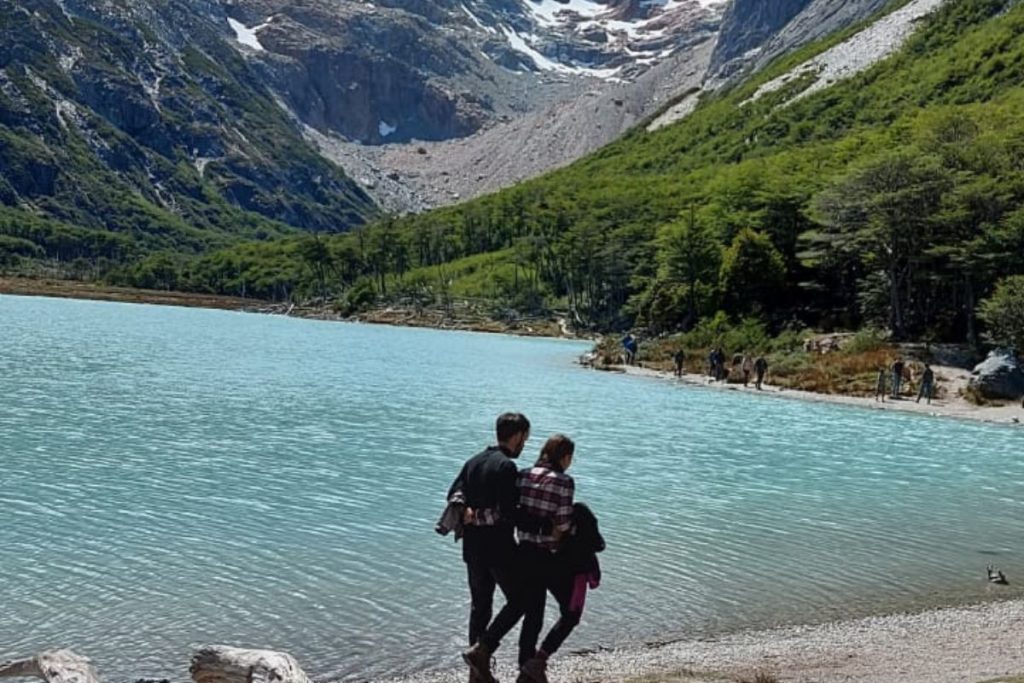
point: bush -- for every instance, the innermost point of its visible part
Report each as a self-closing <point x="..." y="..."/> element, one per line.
<point x="360" y="297"/>
<point x="865" y="341"/>
<point x="1003" y="313"/>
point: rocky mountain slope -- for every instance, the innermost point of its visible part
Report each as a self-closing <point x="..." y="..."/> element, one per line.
<point x="404" y="70"/>
<point x="407" y="177"/>
<point x="559" y="126"/>
<point x="755" y="32"/>
<point x="182" y="125"/>
<point x="139" y="119"/>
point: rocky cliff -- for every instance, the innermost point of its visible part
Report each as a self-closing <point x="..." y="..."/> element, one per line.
<point x="185" y="122"/>
<point x="755" y="32"/>
<point x="142" y="120"/>
<point x="748" y="24"/>
<point x="403" y="70"/>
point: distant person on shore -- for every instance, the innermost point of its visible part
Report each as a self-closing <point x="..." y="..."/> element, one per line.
<point x="720" y="371"/>
<point x="712" y="363"/>
<point x="897" y="377"/>
<point x="880" y="384"/>
<point x="488" y="484"/>
<point x="678" y="358"/>
<point x="558" y="560"/>
<point x="760" y="370"/>
<point x="927" y="384"/>
<point x="748" y="368"/>
<point x="629" y="344"/>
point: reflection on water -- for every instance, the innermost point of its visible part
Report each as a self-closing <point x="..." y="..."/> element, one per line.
<point x="174" y="477"/>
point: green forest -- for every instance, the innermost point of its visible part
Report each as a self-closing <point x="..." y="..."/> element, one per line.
<point x="894" y="199"/>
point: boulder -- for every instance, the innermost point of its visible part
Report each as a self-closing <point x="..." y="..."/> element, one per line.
<point x="53" y="666"/>
<point x="222" y="664"/>
<point x="1000" y="376"/>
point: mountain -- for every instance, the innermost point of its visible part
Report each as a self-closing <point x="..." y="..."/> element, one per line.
<point x="181" y="127"/>
<point x="871" y="178"/>
<point x="404" y="70"/>
<point x="429" y="103"/>
<point x="754" y="33"/>
<point x="138" y="124"/>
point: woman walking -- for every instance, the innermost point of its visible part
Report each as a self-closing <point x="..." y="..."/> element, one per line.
<point x="546" y="491"/>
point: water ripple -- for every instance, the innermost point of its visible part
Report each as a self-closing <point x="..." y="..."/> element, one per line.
<point x="177" y="477"/>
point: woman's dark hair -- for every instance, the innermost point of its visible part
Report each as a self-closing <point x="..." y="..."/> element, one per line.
<point x="510" y="424"/>
<point x="554" y="450"/>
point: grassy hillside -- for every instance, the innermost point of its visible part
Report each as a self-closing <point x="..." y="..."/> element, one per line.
<point x="892" y="199"/>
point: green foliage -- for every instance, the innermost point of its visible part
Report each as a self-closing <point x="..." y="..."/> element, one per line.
<point x="752" y="271"/>
<point x="893" y="199"/>
<point x="865" y="341"/>
<point x="749" y="335"/>
<point x="890" y="198"/>
<point x="685" y="286"/>
<point x="360" y="297"/>
<point x="1003" y="314"/>
<point x="120" y="174"/>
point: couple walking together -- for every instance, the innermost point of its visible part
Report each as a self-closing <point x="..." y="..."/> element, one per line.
<point x="522" y="532"/>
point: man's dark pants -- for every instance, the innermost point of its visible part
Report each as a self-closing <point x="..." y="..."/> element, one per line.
<point x="490" y="565"/>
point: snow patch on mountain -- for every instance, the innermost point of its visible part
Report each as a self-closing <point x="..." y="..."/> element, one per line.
<point x="247" y="36"/>
<point x="520" y="44"/>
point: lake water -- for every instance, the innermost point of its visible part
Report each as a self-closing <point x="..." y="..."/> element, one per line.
<point x="173" y="477"/>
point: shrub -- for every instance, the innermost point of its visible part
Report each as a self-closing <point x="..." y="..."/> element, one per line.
<point x="1003" y="313"/>
<point x="360" y="296"/>
<point x="865" y="341"/>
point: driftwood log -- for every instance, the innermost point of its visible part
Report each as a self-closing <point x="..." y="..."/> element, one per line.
<point x="53" y="666"/>
<point x="222" y="664"/>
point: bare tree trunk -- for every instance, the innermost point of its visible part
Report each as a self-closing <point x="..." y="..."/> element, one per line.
<point x="972" y="332"/>
<point x="222" y="664"/>
<point x="53" y="666"/>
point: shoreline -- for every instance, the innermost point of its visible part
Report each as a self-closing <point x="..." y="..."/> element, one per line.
<point x="955" y="407"/>
<point x="88" y="291"/>
<point x="966" y="644"/>
<point x="1009" y="414"/>
<point x="391" y="316"/>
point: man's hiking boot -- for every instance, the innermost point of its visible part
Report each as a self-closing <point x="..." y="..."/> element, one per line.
<point x="478" y="658"/>
<point x="534" y="671"/>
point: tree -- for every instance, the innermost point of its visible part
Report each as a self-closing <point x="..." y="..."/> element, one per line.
<point x="689" y="255"/>
<point x="882" y="216"/>
<point x="751" y="273"/>
<point x="316" y="254"/>
<point x="1003" y="313"/>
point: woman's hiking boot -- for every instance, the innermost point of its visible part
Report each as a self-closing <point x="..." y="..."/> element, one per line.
<point x="478" y="658"/>
<point x="535" y="670"/>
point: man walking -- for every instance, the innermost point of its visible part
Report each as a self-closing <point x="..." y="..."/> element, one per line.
<point x="747" y="367"/>
<point x="897" y="377"/>
<point x="679" y="358"/>
<point x="488" y="484"/>
<point x="760" y="369"/>
<point x="927" y="384"/>
<point x="880" y="384"/>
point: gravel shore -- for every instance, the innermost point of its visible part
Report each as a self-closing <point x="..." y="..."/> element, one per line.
<point x="954" y="379"/>
<point x="954" y="645"/>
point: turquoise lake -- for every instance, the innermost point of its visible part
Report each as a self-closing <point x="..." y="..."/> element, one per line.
<point x="174" y="477"/>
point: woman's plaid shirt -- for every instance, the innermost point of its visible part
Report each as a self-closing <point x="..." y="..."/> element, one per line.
<point x="547" y="494"/>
